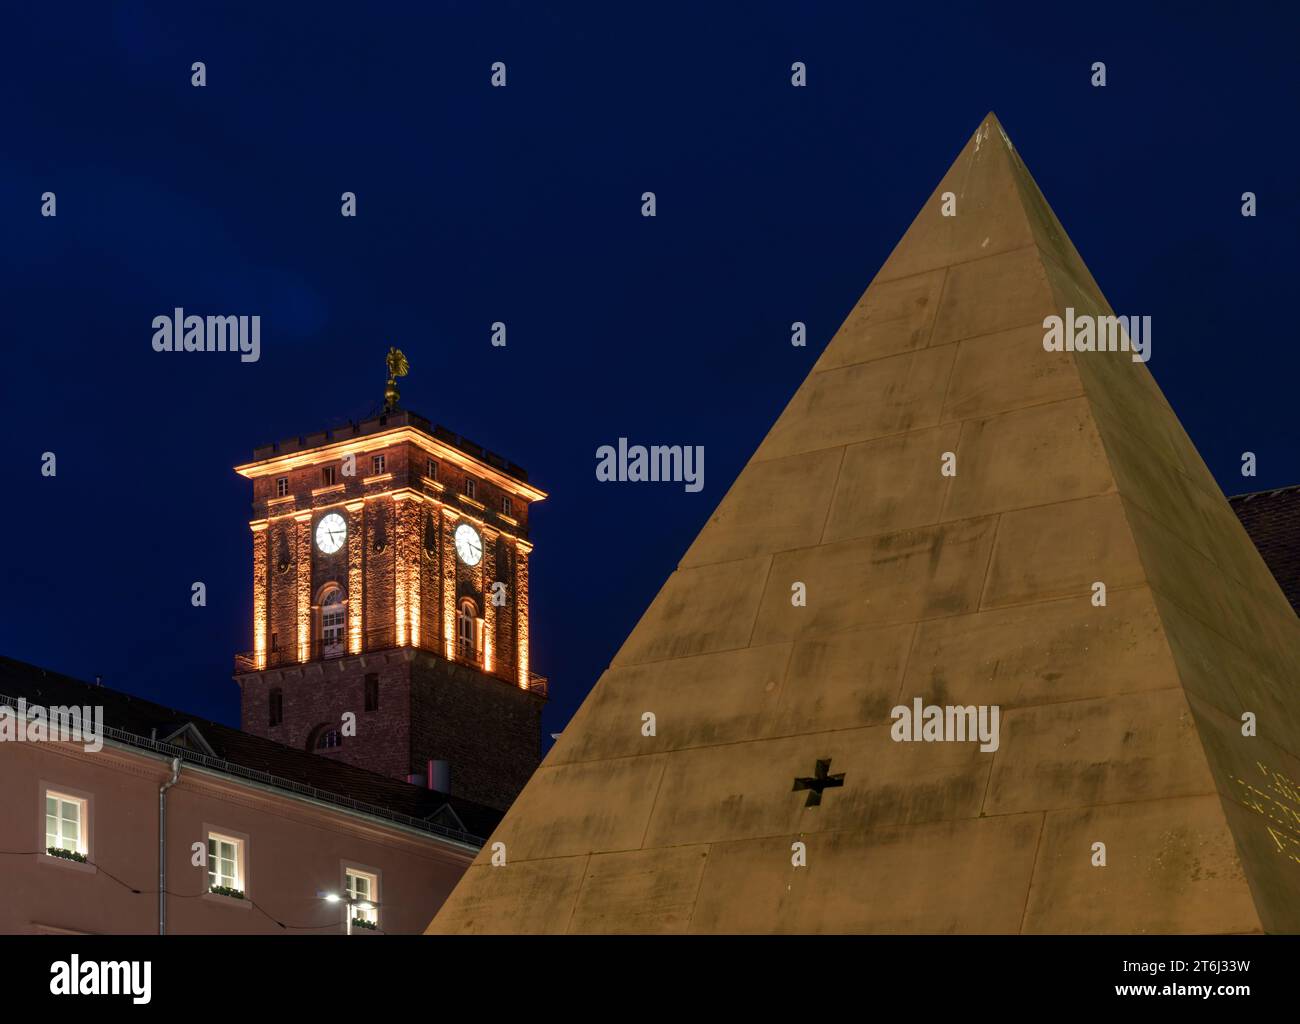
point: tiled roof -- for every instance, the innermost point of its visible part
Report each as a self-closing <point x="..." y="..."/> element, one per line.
<point x="147" y="724"/>
<point x="1272" y="518"/>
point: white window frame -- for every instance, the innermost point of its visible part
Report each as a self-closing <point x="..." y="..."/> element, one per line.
<point x="240" y="844"/>
<point x="470" y="487"/>
<point x="281" y="486"/>
<point x="431" y="469"/>
<point x="377" y="463"/>
<point x="371" y="877"/>
<point x="506" y="507"/>
<point x="63" y="798"/>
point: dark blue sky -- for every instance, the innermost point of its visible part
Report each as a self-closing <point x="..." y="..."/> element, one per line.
<point x="522" y="205"/>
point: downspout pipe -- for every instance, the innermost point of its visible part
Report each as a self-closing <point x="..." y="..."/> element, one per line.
<point x="162" y="845"/>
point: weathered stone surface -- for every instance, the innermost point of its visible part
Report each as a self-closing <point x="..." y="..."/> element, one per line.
<point x="1008" y="370"/>
<point x="890" y="484"/>
<point x="1027" y="457"/>
<point x="907" y="783"/>
<point x="862" y="402"/>
<point x="780" y="505"/>
<point x="701" y="609"/>
<point x="529" y="897"/>
<point x="893" y="577"/>
<point x="891" y="317"/>
<point x="651" y="892"/>
<point x="1063" y="650"/>
<point x="976" y="875"/>
<point x="729" y="696"/>
<point x="1171" y="866"/>
<point x="1108" y="750"/>
<point x="1121" y="722"/>
<point x="1060" y="550"/>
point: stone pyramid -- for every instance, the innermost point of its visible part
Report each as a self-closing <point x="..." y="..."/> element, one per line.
<point x="1123" y="795"/>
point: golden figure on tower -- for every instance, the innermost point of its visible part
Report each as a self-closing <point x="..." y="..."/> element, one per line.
<point x="397" y="367"/>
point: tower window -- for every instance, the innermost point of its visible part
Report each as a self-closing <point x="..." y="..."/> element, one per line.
<point x="431" y="469"/>
<point x="328" y="739"/>
<point x="327" y="476"/>
<point x="277" y="706"/>
<point x="372" y="691"/>
<point x="467" y="628"/>
<point x="281" y="486"/>
<point x="506" y="507"/>
<point x="470" y="487"/>
<point x="377" y="464"/>
<point x="333" y="621"/>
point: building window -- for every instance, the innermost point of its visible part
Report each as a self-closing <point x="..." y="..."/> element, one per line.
<point x="470" y="487"/>
<point x="225" y="862"/>
<point x="467" y="630"/>
<point x="377" y="464"/>
<point x="431" y="469"/>
<point x="328" y="739"/>
<point x="363" y="892"/>
<point x="275" y="641"/>
<point x="277" y="706"/>
<point x="506" y="507"/>
<point x="333" y="622"/>
<point x="65" y="823"/>
<point x="281" y="486"/>
<point x="327" y="476"/>
<point x="372" y="691"/>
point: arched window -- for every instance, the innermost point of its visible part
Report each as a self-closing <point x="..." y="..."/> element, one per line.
<point x="333" y="621"/>
<point x="324" y="737"/>
<point x="467" y="629"/>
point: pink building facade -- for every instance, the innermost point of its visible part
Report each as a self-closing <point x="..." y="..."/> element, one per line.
<point x="243" y="849"/>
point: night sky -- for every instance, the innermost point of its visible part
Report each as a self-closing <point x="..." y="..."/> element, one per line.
<point x="522" y="205"/>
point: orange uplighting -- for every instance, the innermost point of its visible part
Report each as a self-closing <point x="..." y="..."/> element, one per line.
<point x="259" y="593"/>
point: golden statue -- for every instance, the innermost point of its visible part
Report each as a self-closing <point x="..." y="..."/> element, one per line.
<point x="397" y="367"/>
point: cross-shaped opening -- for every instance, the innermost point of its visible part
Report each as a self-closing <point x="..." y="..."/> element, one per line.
<point x="821" y="779"/>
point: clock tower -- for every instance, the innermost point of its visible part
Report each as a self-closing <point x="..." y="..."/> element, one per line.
<point x="390" y="605"/>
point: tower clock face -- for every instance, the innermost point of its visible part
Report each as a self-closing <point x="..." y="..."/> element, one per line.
<point x="469" y="545"/>
<point x="331" y="532"/>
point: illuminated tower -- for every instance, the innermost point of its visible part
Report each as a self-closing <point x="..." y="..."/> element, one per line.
<point x="390" y="605"/>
